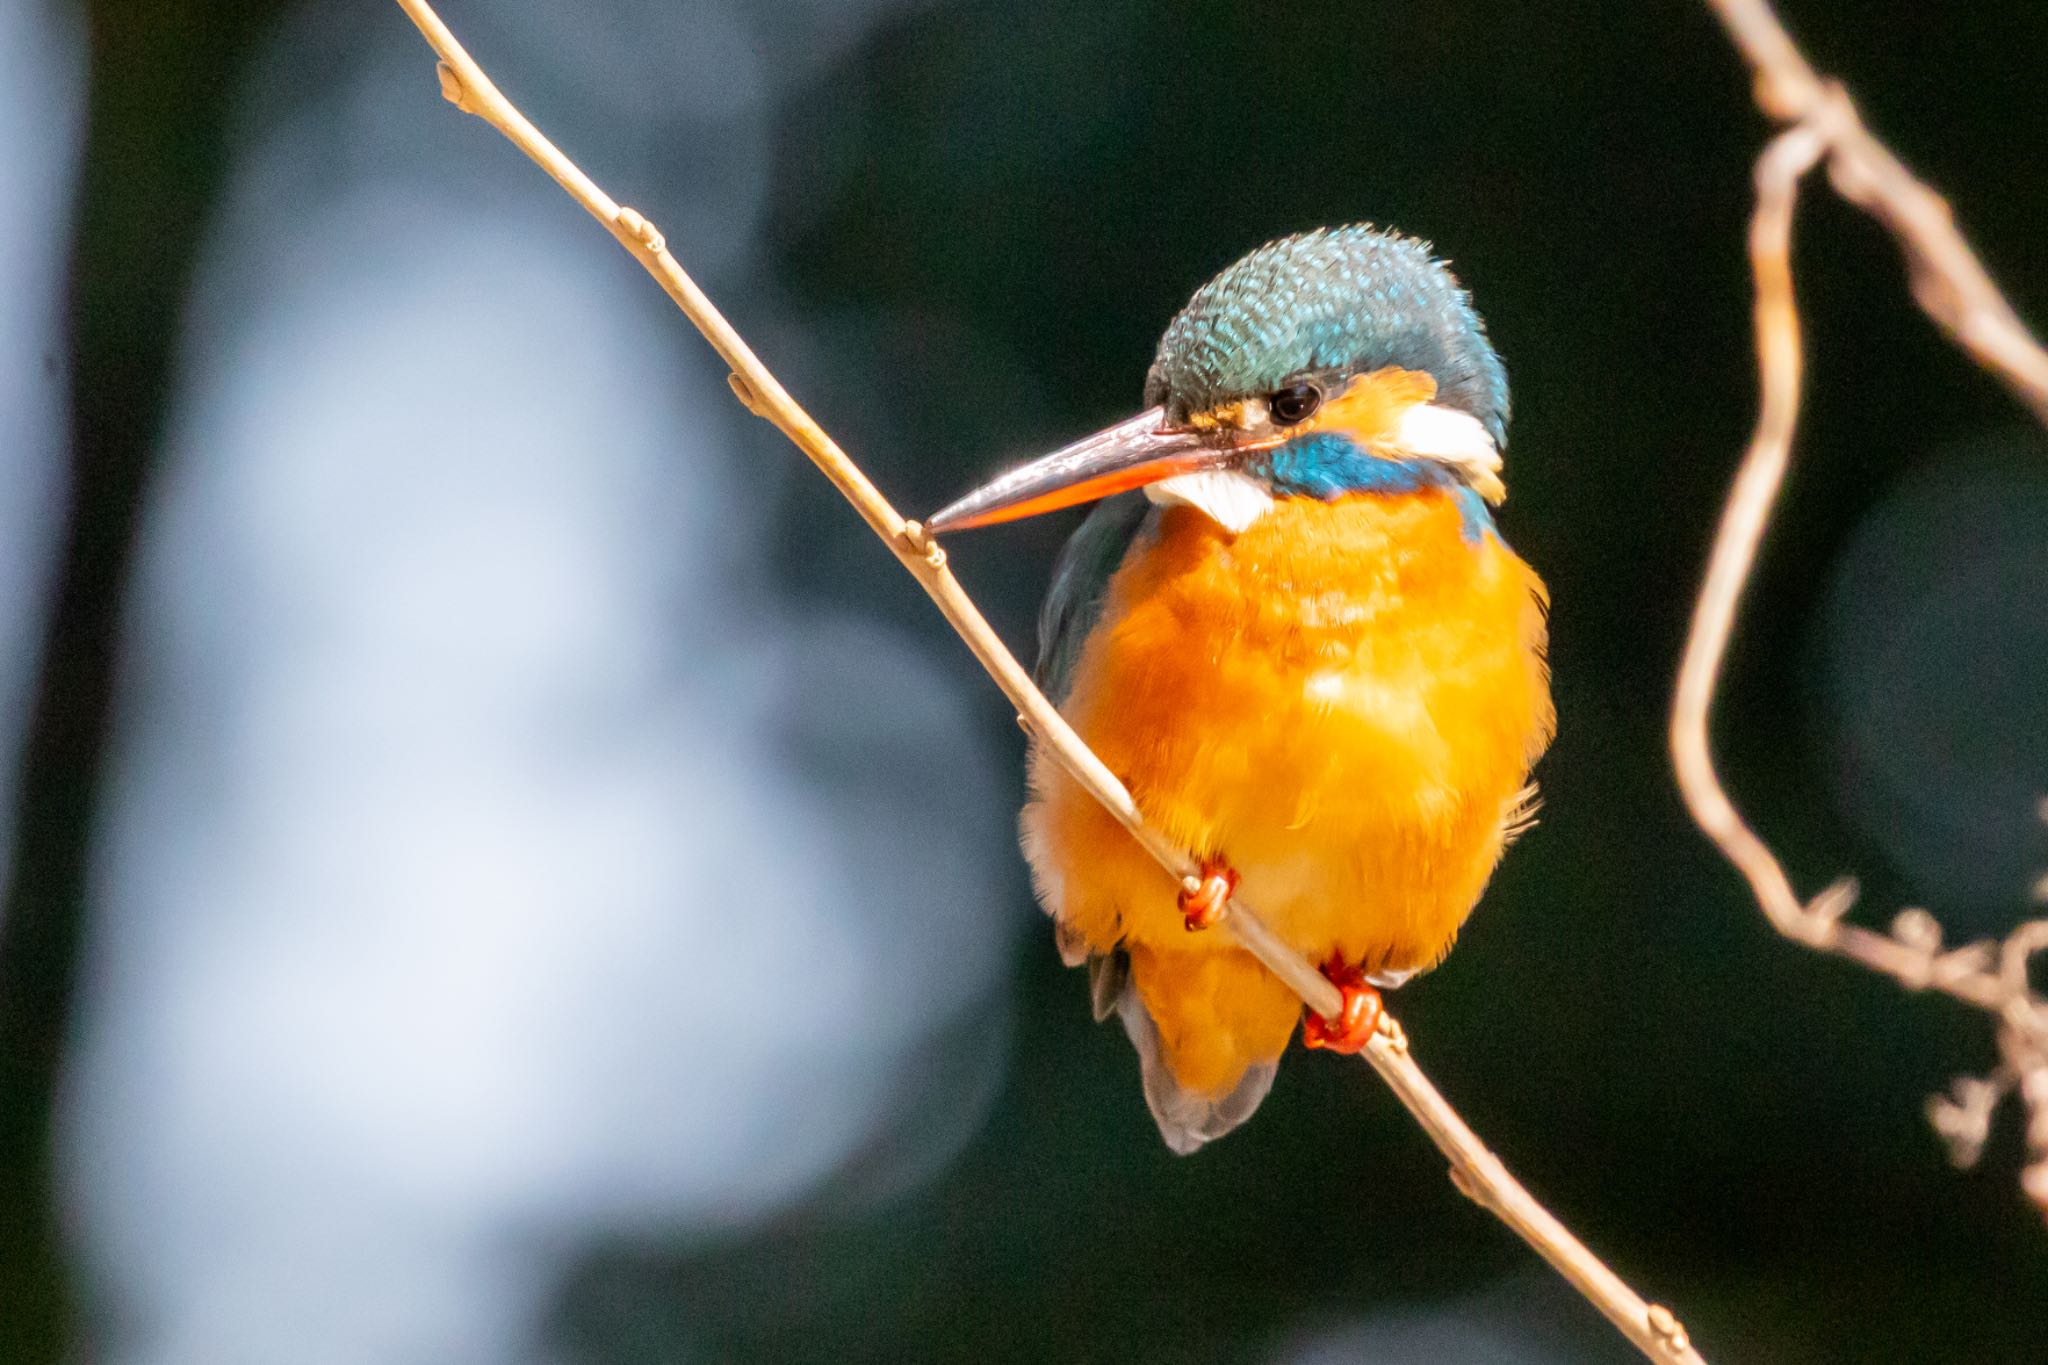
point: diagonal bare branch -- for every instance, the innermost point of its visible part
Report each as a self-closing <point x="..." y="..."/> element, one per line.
<point x="1474" y="1169"/>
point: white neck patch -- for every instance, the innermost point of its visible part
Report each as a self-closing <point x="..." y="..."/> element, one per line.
<point x="1228" y="498"/>
<point x="1454" y="438"/>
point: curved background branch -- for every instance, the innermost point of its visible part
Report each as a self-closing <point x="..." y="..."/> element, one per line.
<point x="1952" y="287"/>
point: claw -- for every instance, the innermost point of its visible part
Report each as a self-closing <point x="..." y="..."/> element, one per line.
<point x="1356" y="1019"/>
<point x="1204" y="903"/>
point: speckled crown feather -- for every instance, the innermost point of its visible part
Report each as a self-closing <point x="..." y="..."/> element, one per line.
<point x="1349" y="299"/>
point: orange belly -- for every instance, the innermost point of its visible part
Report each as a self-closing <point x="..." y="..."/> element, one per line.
<point x="1343" y="703"/>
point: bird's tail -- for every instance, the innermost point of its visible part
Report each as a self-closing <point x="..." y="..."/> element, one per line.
<point x="1209" y="1028"/>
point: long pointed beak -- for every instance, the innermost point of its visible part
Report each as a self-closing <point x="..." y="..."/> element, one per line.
<point x="1128" y="455"/>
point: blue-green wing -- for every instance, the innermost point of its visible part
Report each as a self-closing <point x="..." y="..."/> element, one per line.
<point x="1073" y="606"/>
<point x="1080" y="582"/>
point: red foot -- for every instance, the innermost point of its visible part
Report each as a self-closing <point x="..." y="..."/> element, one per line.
<point x="1357" y="1018"/>
<point x="1205" y="904"/>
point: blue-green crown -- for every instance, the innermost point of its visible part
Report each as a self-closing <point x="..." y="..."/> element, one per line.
<point x="1346" y="300"/>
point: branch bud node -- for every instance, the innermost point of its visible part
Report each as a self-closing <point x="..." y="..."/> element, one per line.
<point x="1668" y="1330"/>
<point x="1920" y="932"/>
<point x="452" y="88"/>
<point x="921" y="543"/>
<point x="744" y="391"/>
<point x="635" y="225"/>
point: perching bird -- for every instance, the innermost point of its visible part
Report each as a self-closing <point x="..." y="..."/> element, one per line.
<point x="1305" y="649"/>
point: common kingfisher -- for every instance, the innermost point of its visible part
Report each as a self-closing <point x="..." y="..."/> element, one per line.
<point x="1293" y="630"/>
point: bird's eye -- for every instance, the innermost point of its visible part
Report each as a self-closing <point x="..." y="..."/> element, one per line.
<point x="1295" y="403"/>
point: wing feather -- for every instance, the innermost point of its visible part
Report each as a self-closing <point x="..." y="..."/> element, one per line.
<point x="1073" y="607"/>
<point x="1080" y="582"/>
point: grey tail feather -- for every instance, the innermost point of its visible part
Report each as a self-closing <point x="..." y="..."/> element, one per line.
<point x="1185" y="1120"/>
<point x="1109" y="974"/>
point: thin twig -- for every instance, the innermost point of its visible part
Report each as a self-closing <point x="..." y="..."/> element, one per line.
<point x="1951" y="286"/>
<point x="1474" y="1168"/>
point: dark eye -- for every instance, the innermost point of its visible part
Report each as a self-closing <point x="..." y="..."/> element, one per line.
<point x="1295" y="403"/>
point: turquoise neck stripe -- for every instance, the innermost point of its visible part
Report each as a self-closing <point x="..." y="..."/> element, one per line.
<point x="1329" y="464"/>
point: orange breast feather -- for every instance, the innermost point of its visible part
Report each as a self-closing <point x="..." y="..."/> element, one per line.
<point x="1343" y="702"/>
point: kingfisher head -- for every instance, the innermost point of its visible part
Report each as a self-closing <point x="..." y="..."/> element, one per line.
<point x="1341" y="361"/>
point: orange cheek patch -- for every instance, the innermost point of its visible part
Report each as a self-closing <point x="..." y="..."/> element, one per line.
<point x="1370" y="408"/>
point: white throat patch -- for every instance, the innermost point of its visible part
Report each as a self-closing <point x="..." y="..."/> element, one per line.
<point x="1228" y="498"/>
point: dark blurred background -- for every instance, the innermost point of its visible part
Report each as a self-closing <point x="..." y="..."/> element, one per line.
<point x="504" y="868"/>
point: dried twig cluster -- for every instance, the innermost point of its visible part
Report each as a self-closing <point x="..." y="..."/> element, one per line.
<point x="1951" y="286"/>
